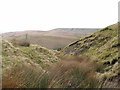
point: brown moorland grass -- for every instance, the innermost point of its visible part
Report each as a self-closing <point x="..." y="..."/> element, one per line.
<point x="71" y="72"/>
<point x="22" y="76"/>
<point x="74" y="72"/>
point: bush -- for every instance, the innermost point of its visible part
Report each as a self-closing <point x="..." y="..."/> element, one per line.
<point x="16" y="42"/>
<point x="58" y="49"/>
<point x="24" y="43"/>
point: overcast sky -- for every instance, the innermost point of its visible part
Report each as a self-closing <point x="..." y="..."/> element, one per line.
<point x="18" y="15"/>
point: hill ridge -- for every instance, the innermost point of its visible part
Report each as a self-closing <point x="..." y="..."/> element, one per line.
<point x="101" y="47"/>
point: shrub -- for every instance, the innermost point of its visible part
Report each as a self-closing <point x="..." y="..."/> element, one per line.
<point x="16" y="42"/>
<point x="58" y="49"/>
<point x="24" y="43"/>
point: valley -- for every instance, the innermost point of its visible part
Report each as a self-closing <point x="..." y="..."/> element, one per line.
<point x="52" y="39"/>
<point x="89" y="60"/>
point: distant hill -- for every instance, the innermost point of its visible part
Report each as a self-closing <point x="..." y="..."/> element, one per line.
<point x="53" y="39"/>
<point x="72" y="31"/>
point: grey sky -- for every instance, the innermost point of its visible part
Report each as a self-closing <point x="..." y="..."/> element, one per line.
<point x="18" y="15"/>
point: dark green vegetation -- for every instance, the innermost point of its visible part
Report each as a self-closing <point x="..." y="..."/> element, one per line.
<point x="91" y="62"/>
<point x="53" y="39"/>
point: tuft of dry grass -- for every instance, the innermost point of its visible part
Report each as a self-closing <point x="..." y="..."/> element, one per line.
<point x="74" y="72"/>
<point x="21" y="76"/>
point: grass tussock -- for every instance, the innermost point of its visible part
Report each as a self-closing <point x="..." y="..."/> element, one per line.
<point x="71" y="72"/>
<point x="22" y="76"/>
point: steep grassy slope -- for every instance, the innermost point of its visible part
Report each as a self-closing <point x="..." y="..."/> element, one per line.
<point x="33" y="55"/>
<point x="102" y="44"/>
<point x="102" y="47"/>
<point x="53" y="39"/>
